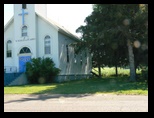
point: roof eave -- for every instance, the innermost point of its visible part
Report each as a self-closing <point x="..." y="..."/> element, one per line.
<point x="56" y="27"/>
<point x="59" y="28"/>
<point x="47" y="21"/>
<point x="69" y="35"/>
<point x="8" y="23"/>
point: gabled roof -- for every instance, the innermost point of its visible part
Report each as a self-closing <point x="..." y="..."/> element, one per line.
<point x="8" y="23"/>
<point x="50" y="22"/>
<point x="60" y="28"/>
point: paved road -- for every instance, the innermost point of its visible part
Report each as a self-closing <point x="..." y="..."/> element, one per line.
<point x="75" y="103"/>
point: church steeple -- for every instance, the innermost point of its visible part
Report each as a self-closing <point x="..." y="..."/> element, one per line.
<point x="23" y="9"/>
<point x="23" y="13"/>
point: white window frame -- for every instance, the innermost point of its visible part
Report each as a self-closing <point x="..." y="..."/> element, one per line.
<point x="47" y="44"/>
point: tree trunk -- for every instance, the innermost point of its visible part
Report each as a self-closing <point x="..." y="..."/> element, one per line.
<point x="116" y="70"/>
<point x="116" y="65"/>
<point x="136" y="72"/>
<point x="131" y="61"/>
<point x="99" y="70"/>
<point x="98" y="62"/>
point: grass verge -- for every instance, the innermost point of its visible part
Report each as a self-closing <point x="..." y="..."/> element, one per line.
<point x="114" y="85"/>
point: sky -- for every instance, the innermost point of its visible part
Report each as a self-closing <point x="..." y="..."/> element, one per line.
<point x="71" y="16"/>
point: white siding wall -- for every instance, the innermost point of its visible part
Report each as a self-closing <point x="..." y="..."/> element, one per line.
<point x="9" y="35"/>
<point x="72" y="67"/>
<point x="45" y="29"/>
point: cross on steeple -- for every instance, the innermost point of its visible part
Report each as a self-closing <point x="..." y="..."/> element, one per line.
<point x="23" y="14"/>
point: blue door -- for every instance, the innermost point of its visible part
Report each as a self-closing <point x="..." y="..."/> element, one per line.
<point x="22" y="62"/>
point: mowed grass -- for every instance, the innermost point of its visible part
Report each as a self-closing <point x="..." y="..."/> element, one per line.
<point x="113" y="85"/>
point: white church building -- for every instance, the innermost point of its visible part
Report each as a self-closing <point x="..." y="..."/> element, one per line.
<point x="30" y="34"/>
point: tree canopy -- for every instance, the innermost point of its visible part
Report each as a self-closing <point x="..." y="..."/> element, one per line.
<point x="111" y="33"/>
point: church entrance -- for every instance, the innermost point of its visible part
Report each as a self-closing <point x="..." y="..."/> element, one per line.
<point x="24" y="57"/>
<point x="22" y="62"/>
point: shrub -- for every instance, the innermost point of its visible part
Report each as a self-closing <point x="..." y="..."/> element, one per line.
<point x="41" y="70"/>
<point x="144" y="73"/>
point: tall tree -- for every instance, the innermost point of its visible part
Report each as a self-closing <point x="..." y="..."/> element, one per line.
<point x="112" y="25"/>
<point x="134" y="30"/>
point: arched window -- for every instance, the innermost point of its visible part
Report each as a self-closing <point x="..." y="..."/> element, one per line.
<point x="24" y="50"/>
<point x="47" y="45"/>
<point x="9" y="48"/>
<point x="24" y="31"/>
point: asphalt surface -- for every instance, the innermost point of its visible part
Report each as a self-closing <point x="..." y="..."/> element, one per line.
<point x="75" y="103"/>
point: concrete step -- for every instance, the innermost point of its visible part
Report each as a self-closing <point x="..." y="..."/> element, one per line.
<point x="10" y="77"/>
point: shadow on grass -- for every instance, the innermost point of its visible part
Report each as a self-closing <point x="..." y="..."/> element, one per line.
<point x="83" y="88"/>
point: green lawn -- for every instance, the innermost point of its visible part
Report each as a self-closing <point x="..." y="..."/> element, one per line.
<point x="107" y="71"/>
<point x="114" y="85"/>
